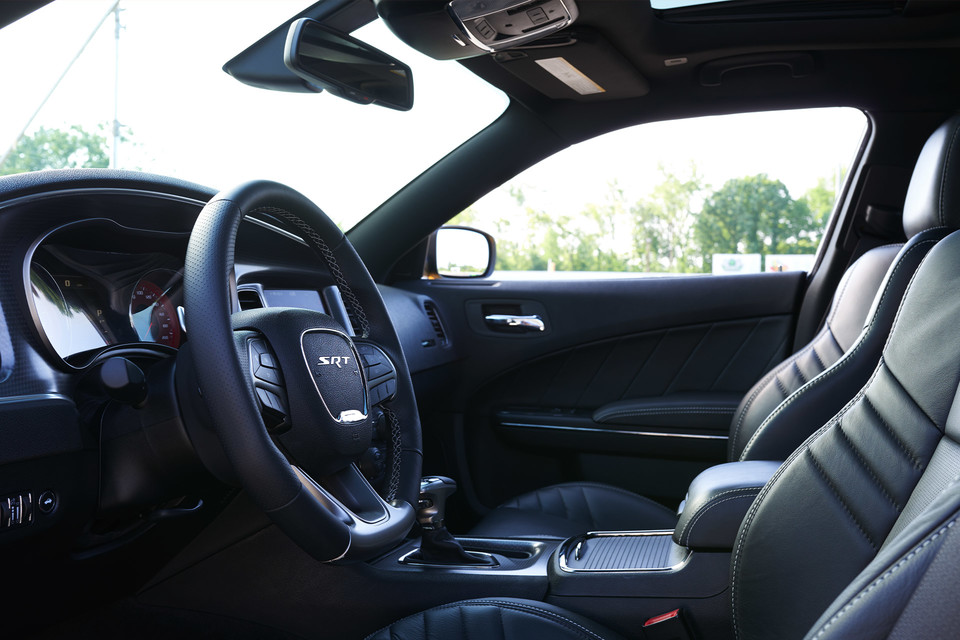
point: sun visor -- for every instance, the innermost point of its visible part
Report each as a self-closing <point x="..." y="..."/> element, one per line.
<point x="575" y="65"/>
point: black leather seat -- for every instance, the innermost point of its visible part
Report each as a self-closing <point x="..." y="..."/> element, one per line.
<point x="808" y="388"/>
<point x="504" y="618"/>
<point x="856" y="534"/>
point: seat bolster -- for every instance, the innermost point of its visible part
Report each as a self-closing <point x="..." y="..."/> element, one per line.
<point x="817" y="401"/>
<point x="505" y="618"/>
<point x="569" y="509"/>
<point x="777" y="386"/>
<point x="850" y="312"/>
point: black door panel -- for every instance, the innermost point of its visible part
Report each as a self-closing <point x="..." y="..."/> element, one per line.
<point x="538" y="407"/>
<point x="724" y="357"/>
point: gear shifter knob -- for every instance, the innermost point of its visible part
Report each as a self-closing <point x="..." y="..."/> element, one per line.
<point x="432" y="506"/>
<point x="438" y="546"/>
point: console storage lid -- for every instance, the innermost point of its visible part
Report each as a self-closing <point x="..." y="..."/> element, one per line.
<point x="717" y="501"/>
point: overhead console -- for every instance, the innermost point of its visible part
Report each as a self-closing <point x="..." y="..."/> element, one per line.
<point x="527" y="38"/>
<point x="448" y="30"/>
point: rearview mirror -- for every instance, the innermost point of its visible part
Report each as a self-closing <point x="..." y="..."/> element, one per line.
<point x="460" y="252"/>
<point x="347" y="67"/>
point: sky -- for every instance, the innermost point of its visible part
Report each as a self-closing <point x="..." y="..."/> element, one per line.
<point x="187" y="118"/>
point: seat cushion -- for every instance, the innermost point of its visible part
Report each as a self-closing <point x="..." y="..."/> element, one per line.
<point x="572" y="508"/>
<point x="504" y="618"/>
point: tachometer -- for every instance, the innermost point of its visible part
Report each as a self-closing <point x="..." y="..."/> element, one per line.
<point x="152" y="313"/>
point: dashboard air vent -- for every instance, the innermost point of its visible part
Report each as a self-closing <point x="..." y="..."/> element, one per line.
<point x="434" y="317"/>
<point x="249" y="299"/>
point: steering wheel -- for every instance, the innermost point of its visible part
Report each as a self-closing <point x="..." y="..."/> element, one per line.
<point x="293" y="399"/>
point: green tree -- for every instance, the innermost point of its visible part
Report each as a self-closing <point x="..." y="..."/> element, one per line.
<point x="585" y="241"/>
<point x="57" y="149"/>
<point x="820" y="200"/>
<point x="754" y="215"/>
<point x="466" y="218"/>
<point x="664" y="223"/>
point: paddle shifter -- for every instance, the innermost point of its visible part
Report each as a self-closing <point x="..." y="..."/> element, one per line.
<point x="438" y="546"/>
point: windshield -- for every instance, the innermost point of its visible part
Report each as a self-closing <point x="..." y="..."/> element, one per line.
<point x="180" y="115"/>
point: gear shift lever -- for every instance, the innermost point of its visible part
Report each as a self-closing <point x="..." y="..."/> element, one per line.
<point x="438" y="546"/>
<point x="432" y="506"/>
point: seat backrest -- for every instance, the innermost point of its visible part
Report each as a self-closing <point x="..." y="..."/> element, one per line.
<point x="810" y="386"/>
<point x="864" y="481"/>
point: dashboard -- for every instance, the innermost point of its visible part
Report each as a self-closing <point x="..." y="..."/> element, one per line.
<point x="91" y="274"/>
<point x="96" y="285"/>
<point x="96" y="271"/>
<point x="97" y="465"/>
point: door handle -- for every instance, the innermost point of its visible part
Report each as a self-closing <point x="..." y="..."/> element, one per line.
<point x="523" y="323"/>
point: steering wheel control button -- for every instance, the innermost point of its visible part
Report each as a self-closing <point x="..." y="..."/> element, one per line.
<point x="267" y="375"/>
<point x="335" y="368"/>
<point x="380" y="373"/>
<point x="268" y="382"/>
<point x="47" y="502"/>
<point x="269" y="399"/>
<point x="383" y="392"/>
<point x="267" y="360"/>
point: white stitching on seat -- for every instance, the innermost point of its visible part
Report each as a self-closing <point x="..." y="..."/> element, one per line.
<point x="758" y="388"/>
<point x="876" y="583"/>
<point x="765" y="381"/>
<point x="751" y="514"/>
<point x="848" y="356"/>
<point x="541" y="613"/>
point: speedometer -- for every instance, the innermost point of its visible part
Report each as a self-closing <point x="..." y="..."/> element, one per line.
<point x="152" y="313"/>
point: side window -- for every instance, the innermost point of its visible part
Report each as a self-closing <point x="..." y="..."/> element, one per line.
<point x="730" y="194"/>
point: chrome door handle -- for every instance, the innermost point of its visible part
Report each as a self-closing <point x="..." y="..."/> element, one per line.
<point x="524" y="323"/>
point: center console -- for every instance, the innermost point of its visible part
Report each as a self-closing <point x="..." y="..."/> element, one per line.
<point x="631" y="579"/>
<point x="670" y="583"/>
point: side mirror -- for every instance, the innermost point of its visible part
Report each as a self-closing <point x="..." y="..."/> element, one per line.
<point x="347" y="67"/>
<point x="460" y="252"/>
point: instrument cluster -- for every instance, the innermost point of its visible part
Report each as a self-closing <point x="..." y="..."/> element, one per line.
<point x="96" y="284"/>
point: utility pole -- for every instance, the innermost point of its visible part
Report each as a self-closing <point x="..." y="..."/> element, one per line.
<point x="56" y="84"/>
<point x="114" y="164"/>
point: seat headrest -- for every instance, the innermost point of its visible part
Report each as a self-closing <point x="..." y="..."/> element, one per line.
<point x="933" y="197"/>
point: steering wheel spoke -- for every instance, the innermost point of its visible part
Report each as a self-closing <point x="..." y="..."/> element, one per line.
<point x="349" y="497"/>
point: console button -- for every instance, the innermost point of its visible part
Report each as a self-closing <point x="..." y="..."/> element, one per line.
<point x="16" y="511"/>
<point x="47" y="502"/>
<point x="26" y="508"/>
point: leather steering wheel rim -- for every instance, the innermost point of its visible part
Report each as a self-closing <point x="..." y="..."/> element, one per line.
<point x="296" y="503"/>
